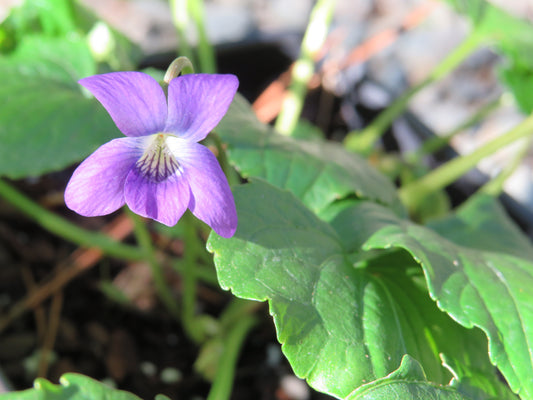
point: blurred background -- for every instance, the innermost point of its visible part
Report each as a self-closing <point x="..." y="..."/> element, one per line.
<point x="375" y="51"/>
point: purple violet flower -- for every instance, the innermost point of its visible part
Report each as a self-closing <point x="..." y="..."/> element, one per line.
<point x="159" y="170"/>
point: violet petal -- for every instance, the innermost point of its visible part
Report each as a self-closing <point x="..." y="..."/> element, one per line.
<point x="211" y="200"/>
<point x="197" y="103"/>
<point x="164" y="201"/>
<point x="97" y="185"/>
<point x="134" y="100"/>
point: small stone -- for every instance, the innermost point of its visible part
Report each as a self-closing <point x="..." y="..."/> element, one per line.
<point x="294" y="388"/>
<point x="171" y="375"/>
<point x="148" y="368"/>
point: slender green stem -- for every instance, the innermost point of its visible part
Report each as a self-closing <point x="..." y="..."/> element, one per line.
<point x="414" y="193"/>
<point x="68" y="231"/>
<point x="235" y="310"/>
<point x="205" y="274"/>
<point x="495" y="186"/>
<point x="303" y="68"/>
<point x="223" y="382"/>
<point x="180" y="17"/>
<point x="235" y="322"/>
<point x="163" y="291"/>
<point x="206" y="53"/>
<point x="436" y="143"/>
<point x="363" y="141"/>
<point x="190" y="279"/>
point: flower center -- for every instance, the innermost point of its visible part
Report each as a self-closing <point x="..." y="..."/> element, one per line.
<point x="157" y="163"/>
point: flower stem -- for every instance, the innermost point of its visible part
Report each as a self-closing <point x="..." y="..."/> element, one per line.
<point x="303" y="68"/>
<point x="233" y="341"/>
<point x="68" y="231"/>
<point x="235" y="310"/>
<point x="414" y="193"/>
<point x="206" y="54"/>
<point x="363" y="141"/>
<point x="180" y="17"/>
<point x="181" y="65"/>
<point x="436" y="143"/>
<point x="163" y="291"/>
<point x="193" y="329"/>
<point x="204" y="273"/>
<point x="495" y="186"/>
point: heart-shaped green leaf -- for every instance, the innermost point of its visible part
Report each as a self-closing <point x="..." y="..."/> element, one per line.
<point x="341" y="325"/>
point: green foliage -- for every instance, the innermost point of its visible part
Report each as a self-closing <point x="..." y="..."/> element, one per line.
<point x="73" y="387"/>
<point x="47" y="18"/>
<point x="343" y="280"/>
<point x="479" y="288"/>
<point x="340" y="326"/>
<point x="47" y="123"/>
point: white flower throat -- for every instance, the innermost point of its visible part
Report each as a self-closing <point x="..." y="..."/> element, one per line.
<point x="157" y="162"/>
